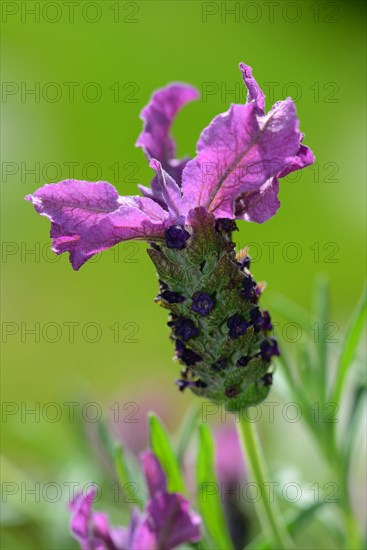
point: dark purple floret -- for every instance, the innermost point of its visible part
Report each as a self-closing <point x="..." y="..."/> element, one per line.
<point x="202" y="303"/>
<point x="243" y="361"/>
<point x="187" y="356"/>
<point x="246" y="262"/>
<point x="232" y="392"/>
<point x="267" y="324"/>
<point x="162" y="285"/>
<point x="184" y="328"/>
<point x="237" y="326"/>
<point x="183" y="384"/>
<point x="256" y="319"/>
<point x="249" y="288"/>
<point x="176" y="237"/>
<point x="226" y="225"/>
<point x="220" y="364"/>
<point x="172" y="297"/>
<point x="190" y="358"/>
<point x="180" y="347"/>
<point x="268" y="348"/>
<point x="267" y="379"/>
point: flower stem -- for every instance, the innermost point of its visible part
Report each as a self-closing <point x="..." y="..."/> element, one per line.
<point x="267" y="510"/>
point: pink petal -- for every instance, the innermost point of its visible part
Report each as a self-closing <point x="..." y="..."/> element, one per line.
<point x="255" y="93"/>
<point x="87" y="217"/>
<point x="154" y="474"/>
<point x="259" y="206"/>
<point x="238" y="153"/>
<point x="158" y="117"/>
<point x="169" y="523"/>
<point x="170" y="191"/>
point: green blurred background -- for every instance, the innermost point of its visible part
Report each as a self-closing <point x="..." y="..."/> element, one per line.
<point x="313" y="51"/>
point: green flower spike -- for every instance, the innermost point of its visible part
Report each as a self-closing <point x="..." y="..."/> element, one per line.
<point x="221" y="336"/>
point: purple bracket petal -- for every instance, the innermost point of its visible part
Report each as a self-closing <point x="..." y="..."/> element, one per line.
<point x="87" y="217"/>
<point x="158" y="117"/>
<point x="242" y="154"/>
<point x="255" y="93"/>
<point x="92" y="529"/>
<point x="169" y="523"/>
<point x="238" y="153"/>
<point x="168" y="188"/>
<point x="258" y="206"/>
<point x="155" y="139"/>
<point x="303" y="158"/>
<point x="154" y="474"/>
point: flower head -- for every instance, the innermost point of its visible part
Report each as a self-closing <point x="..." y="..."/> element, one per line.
<point x="166" y="522"/>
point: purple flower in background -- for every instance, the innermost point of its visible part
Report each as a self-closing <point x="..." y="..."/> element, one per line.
<point x="166" y="522"/>
<point x="240" y="157"/>
<point x="229" y="462"/>
<point x="91" y="529"/>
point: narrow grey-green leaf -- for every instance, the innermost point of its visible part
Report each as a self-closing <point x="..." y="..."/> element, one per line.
<point x="128" y="476"/>
<point x="187" y="429"/>
<point x="321" y="312"/>
<point x="349" y="348"/>
<point x="293" y="524"/>
<point x="290" y="310"/>
<point x="354" y="423"/>
<point x="106" y="439"/>
<point x="209" y="501"/>
<point x="161" y="446"/>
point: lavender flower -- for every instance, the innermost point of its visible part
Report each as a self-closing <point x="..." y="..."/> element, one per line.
<point x="92" y="529"/>
<point x="188" y="216"/>
<point x="166" y="522"/>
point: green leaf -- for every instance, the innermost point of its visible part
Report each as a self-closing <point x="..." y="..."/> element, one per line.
<point x="187" y="429"/>
<point x="354" y="423"/>
<point x="128" y="476"/>
<point x="121" y="466"/>
<point x="293" y="524"/>
<point x="293" y="380"/>
<point x="321" y="311"/>
<point x="162" y="448"/>
<point x="349" y="349"/>
<point x="106" y="439"/>
<point x="290" y="310"/>
<point x="208" y="492"/>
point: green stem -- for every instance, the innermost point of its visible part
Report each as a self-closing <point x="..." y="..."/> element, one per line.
<point x="268" y="512"/>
